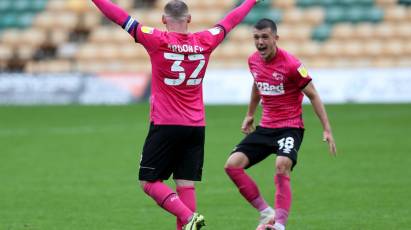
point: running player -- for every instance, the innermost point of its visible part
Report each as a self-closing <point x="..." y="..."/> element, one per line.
<point x="280" y="81"/>
<point x="175" y="142"/>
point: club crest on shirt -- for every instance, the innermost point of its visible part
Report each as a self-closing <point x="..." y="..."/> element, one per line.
<point x="278" y="76"/>
<point x="303" y="71"/>
<point x="147" y="30"/>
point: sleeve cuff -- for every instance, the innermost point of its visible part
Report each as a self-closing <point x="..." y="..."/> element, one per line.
<point x="306" y="83"/>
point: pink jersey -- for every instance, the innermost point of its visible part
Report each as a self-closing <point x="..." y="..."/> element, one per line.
<point x="280" y="83"/>
<point x="179" y="62"/>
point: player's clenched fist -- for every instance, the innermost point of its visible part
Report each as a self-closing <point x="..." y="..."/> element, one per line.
<point x="247" y="127"/>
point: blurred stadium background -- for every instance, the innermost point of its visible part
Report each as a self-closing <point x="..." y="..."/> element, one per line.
<point x="54" y="36"/>
<point x="69" y="43"/>
<point x="74" y="167"/>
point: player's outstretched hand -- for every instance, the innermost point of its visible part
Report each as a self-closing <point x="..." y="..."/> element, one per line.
<point x="247" y="127"/>
<point x="328" y="137"/>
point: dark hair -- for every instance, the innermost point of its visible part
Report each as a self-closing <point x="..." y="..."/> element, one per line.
<point x="176" y="9"/>
<point x="266" y="23"/>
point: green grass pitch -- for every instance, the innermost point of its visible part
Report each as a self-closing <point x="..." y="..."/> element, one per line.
<point x="75" y="168"/>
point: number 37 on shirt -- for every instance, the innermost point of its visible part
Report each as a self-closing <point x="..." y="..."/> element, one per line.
<point x="194" y="79"/>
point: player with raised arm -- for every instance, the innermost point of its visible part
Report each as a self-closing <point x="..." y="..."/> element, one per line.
<point x="175" y="142"/>
<point x="280" y="82"/>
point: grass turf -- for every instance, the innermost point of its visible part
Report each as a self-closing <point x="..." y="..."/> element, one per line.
<point x="75" y="168"/>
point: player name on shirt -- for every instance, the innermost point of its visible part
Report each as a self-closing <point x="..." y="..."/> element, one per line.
<point x="186" y="48"/>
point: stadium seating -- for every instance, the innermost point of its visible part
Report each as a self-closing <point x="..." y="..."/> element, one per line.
<point x="262" y="10"/>
<point x="64" y="36"/>
<point x="19" y="13"/>
<point x="405" y="2"/>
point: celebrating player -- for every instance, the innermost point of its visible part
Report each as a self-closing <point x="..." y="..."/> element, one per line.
<point x="280" y="81"/>
<point x="175" y="142"/>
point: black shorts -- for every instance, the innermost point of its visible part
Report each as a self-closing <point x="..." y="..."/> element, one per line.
<point x="264" y="141"/>
<point x="173" y="149"/>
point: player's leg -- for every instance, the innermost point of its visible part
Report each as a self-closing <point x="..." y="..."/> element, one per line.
<point x="166" y="198"/>
<point x="186" y="192"/>
<point x="189" y="165"/>
<point x="234" y="168"/>
<point x="283" y="195"/>
<point x="254" y="148"/>
<point x="156" y="165"/>
<point x="288" y="144"/>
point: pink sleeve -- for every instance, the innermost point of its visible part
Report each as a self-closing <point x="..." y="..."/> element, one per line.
<point x="112" y="11"/>
<point x="300" y="75"/>
<point x="149" y="37"/>
<point x="237" y="15"/>
<point x="117" y="15"/>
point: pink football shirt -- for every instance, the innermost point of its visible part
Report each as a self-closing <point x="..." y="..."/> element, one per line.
<point x="280" y="82"/>
<point x="178" y="63"/>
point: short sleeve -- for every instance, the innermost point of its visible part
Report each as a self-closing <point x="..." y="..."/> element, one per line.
<point x="300" y="75"/>
<point x="211" y="38"/>
<point x="149" y="37"/>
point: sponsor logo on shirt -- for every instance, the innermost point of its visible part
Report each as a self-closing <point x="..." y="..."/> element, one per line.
<point x="214" y="31"/>
<point x="147" y="30"/>
<point x="267" y="89"/>
<point x="303" y="71"/>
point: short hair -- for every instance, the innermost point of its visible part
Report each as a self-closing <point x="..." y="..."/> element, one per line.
<point x="176" y="9"/>
<point x="266" y="23"/>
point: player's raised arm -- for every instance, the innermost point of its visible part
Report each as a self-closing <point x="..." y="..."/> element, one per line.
<point x="116" y="14"/>
<point x="237" y="15"/>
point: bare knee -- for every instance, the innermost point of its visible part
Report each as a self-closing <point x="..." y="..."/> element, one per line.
<point x="184" y="183"/>
<point x="283" y="165"/>
<point x="143" y="184"/>
<point x="237" y="160"/>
